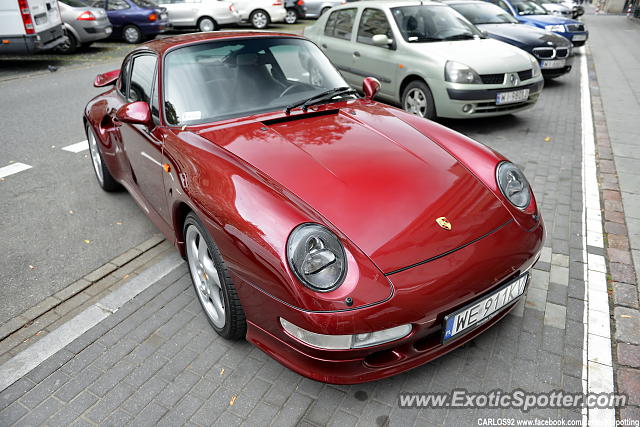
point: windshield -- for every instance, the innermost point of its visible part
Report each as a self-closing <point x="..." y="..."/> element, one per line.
<point x="433" y="23"/>
<point x="145" y="3"/>
<point x="224" y="79"/>
<point x="484" y="13"/>
<point x="529" y="8"/>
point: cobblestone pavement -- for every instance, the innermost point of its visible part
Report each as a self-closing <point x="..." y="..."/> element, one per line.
<point x="157" y="361"/>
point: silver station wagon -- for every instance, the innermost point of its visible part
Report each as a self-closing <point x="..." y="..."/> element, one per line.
<point x="428" y="58"/>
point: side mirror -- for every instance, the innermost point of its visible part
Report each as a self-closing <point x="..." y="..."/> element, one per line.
<point x="136" y="113"/>
<point x="106" y="79"/>
<point x="381" y="40"/>
<point x="370" y="87"/>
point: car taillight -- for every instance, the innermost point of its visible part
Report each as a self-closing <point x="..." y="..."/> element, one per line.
<point x="277" y="3"/>
<point x="26" y="17"/>
<point x="153" y="17"/>
<point x="232" y="8"/>
<point x="86" y="16"/>
<point x="300" y="2"/>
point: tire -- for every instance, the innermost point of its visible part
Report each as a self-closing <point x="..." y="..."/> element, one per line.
<point x="417" y="99"/>
<point x="292" y="17"/>
<point x="259" y="19"/>
<point x="218" y="298"/>
<point x="132" y="34"/>
<point x="206" y="24"/>
<point x="70" y="46"/>
<point x="106" y="181"/>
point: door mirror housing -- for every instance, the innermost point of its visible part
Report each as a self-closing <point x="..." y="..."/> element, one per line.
<point x="136" y="113"/>
<point x="370" y="87"/>
<point x="382" y="40"/>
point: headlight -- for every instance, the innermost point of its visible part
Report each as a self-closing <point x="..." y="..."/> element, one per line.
<point x="535" y="66"/>
<point x="513" y="184"/>
<point x="316" y="257"/>
<point x="345" y="342"/>
<point x="455" y="72"/>
<point x="557" y="28"/>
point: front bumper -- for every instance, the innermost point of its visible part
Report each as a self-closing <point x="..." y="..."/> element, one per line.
<point x="452" y="99"/>
<point x="277" y="13"/>
<point x="423" y="296"/>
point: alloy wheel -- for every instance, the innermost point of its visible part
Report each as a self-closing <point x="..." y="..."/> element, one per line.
<point x="96" y="160"/>
<point x="206" y="24"/>
<point x="416" y="102"/>
<point x="292" y="17"/>
<point x="259" y="20"/>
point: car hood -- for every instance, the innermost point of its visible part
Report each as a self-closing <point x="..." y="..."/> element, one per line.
<point x="548" y="19"/>
<point x="486" y="56"/>
<point x="375" y="178"/>
<point x="525" y="34"/>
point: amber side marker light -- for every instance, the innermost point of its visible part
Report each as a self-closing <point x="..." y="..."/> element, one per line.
<point x="166" y="167"/>
<point x="5" y="42"/>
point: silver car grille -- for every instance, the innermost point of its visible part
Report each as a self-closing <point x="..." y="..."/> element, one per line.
<point x="550" y="52"/>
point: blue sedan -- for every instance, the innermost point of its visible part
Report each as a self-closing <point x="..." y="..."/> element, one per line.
<point x="134" y="20"/>
<point x="531" y="13"/>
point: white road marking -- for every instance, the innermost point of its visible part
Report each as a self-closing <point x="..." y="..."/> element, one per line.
<point x="22" y="363"/>
<point x="597" y="370"/>
<point x="77" y="147"/>
<point x="13" y="168"/>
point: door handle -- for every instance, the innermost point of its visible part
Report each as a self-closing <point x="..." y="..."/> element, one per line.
<point x="356" y="54"/>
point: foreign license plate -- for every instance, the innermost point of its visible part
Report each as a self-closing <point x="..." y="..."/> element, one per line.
<point x="553" y="63"/>
<point x="108" y="30"/>
<point x="163" y="16"/>
<point x="579" y="37"/>
<point x="482" y="310"/>
<point x="511" y="97"/>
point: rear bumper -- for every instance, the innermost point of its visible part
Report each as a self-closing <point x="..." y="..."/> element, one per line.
<point x="153" y="28"/>
<point x="423" y="296"/>
<point x="32" y="43"/>
<point x="92" y="31"/>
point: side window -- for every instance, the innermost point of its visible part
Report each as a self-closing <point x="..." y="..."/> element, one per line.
<point x="124" y="78"/>
<point x="142" y="74"/>
<point x="340" y="24"/>
<point x="373" y="22"/>
<point x="155" y="113"/>
<point x="117" y="5"/>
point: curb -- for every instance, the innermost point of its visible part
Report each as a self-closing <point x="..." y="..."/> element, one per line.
<point x="54" y="309"/>
<point x="621" y="282"/>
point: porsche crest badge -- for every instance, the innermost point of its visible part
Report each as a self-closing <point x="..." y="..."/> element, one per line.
<point x="444" y="223"/>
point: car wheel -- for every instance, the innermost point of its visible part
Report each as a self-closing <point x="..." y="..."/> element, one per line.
<point x="417" y="99"/>
<point x="259" y="19"/>
<point x="106" y="181"/>
<point x="132" y="34"/>
<point x="292" y="17"/>
<point x="206" y="24"/>
<point x="212" y="283"/>
<point x="70" y="46"/>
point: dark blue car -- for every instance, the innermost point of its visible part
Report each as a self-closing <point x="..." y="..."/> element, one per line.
<point x="553" y="52"/>
<point x="531" y="13"/>
<point x="134" y="20"/>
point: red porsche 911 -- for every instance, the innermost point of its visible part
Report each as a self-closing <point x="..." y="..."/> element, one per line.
<point x="347" y="239"/>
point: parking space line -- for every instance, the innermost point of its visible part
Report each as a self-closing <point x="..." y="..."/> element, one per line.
<point x="23" y="362"/>
<point x="13" y="168"/>
<point x="77" y="147"/>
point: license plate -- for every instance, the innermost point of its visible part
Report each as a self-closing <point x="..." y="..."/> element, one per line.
<point x="553" y="63"/>
<point x="163" y="16"/>
<point x="511" y="97"/>
<point x="108" y="30"/>
<point x="482" y="310"/>
<point x="579" y="37"/>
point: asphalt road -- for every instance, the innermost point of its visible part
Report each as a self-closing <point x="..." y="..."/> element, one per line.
<point x="57" y="225"/>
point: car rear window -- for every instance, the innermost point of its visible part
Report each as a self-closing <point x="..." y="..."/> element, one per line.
<point x="145" y="3"/>
<point x="76" y="3"/>
<point x="340" y="24"/>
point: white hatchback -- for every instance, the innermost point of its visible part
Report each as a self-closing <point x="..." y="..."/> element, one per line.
<point x="260" y="13"/>
<point x="205" y="15"/>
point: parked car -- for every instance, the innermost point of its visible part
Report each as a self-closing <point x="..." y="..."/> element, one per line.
<point x="429" y="59"/>
<point x="315" y="8"/>
<point x="261" y="13"/>
<point x="530" y="13"/>
<point x="575" y="9"/>
<point x="556" y="8"/>
<point x="29" y="26"/>
<point x="312" y="220"/>
<point x="82" y="25"/>
<point x="204" y="15"/>
<point x="134" y="20"/>
<point x="554" y="52"/>
<point x="296" y="9"/>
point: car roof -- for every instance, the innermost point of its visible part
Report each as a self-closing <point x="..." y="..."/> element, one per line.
<point x="160" y="46"/>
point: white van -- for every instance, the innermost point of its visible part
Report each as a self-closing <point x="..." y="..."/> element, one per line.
<point x="29" y="26"/>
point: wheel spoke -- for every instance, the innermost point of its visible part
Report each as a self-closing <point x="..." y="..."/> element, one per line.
<point x="202" y="248"/>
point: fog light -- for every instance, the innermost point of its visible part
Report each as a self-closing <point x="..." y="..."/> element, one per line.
<point x="466" y="108"/>
<point x="345" y="342"/>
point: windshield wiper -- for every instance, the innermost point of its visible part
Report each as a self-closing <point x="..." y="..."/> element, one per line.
<point x="322" y="96"/>
<point x="461" y="36"/>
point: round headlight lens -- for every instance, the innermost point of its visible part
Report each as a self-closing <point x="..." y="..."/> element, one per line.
<point x="316" y="257"/>
<point x="513" y="184"/>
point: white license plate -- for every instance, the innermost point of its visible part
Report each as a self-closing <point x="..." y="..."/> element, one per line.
<point x="553" y="63"/>
<point x="511" y="97"/>
<point x="579" y="37"/>
<point x="108" y="30"/>
<point x="482" y="310"/>
<point x="163" y="16"/>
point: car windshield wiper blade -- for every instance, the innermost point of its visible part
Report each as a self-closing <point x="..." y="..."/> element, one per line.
<point x="322" y="96"/>
<point x="423" y="39"/>
<point x="461" y="36"/>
